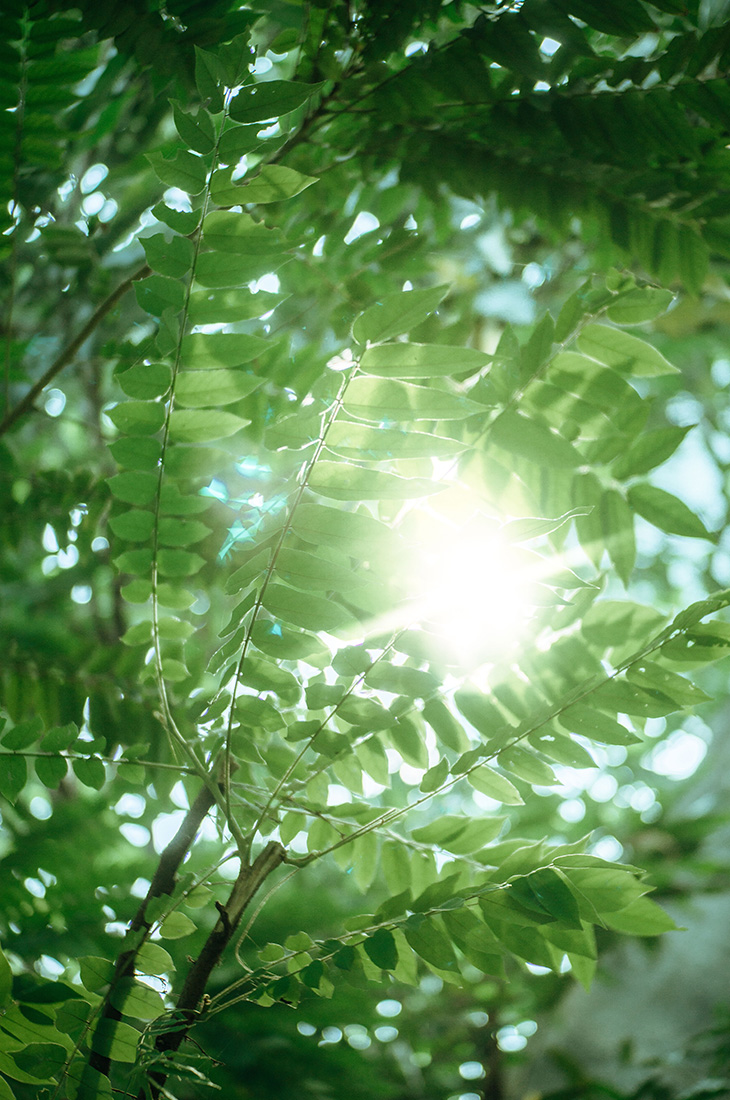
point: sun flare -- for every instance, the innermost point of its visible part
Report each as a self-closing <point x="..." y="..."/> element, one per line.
<point x="472" y="591"/>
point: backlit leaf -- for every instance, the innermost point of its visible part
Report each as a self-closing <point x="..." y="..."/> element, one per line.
<point x="395" y="314"/>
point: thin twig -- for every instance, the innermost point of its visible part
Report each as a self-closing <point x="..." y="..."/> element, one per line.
<point x="70" y="350"/>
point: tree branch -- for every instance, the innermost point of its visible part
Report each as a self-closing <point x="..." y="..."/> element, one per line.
<point x="65" y="357"/>
<point x="250" y="878"/>
<point x="163" y="882"/>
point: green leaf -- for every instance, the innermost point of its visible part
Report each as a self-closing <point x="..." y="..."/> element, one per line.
<point x="13" y="776"/>
<point x="196" y="130"/>
<point x="211" y="307"/>
<point x="421" y="360"/>
<point x="305" y="610"/>
<point x="653" y="677"/>
<point x="207" y="351"/>
<point x="525" y="765"/>
<point x="633" y="307"/>
<point x="24" y="734"/>
<point x="401" y="680"/>
<point x="137" y="452"/>
<point x="137" y="1000"/>
<point x="520" y="435"/>
<point x="182" y="221"/>
<point x="184" y="170"/>
<point x="650" y="450"/>
<point x="116" y="1040"/>
<point x="176" y="926"/>
<point x="173" y="257"/>
<point x="6" y="1093"/>
<point x="158" y="293"/>
<point x="90" y="771"/>
<point x="622" y="351"/>
<point x="617" y="523"/>
<point x="599" y="727"/>
<point x="135" y="525"/>
<point x="204" y="388"/>
<point x="445" y="726"/>
<point x="241" y="234"/>
<point x="179" y="563"/>
<point x="396" y="314"/>
<point x="96" y="972"/>
<point x="266" y="676"/>
<point x="380" y="949"/>
<point x="209" y="77"/>
<point x="204" y="425"/>
<point x="428" y="940"/>
<point x="643" y="917"/>
<point x="270" y="99"/>
<point x="236" y="141"/>
<point x="344" y="481"/>
<point x="138" y="417"/>
<point x="667" y="512"/>
<point x="273" y="183"/>
<point x="354" y="533"/>
<point x="382" y="400"/>
<point x="50" y="770"/>
<point x="146" y="380"/>
<point x="487" y="781"/>
<point x="610" y="623"/>
<point x="364" y="441"/>
<point x="154" y="959"/>
<point x="6" y="981"/>
<point x="554" y="895"/>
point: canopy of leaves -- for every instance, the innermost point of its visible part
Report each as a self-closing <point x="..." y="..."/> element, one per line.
<point x="335" y="555"/>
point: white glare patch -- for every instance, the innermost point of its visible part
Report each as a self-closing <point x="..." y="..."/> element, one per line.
<point x="48" y="967"/>
<point x="535" y="968"/>
<point x="99" y="543"/>
<point x="357" y="1036"/>
<point x="108" y="210"/>
<point x="139" y="887"/>
<point x="81" y="593"/>
<point x="365" y="222"/>
<point x="92" y="177"/>
<point x="305" y="1029"/>
<point x="319" y="246"/>
<point x="164" y="828"/>
<point x="179" y="796"/>
<point x="130" y="805"/>
<point x="261" y="66"/>
<point x="469" y="594"/>
<point x="330" y="1035"/>
<point x="415" y="47"/>
<point x="510" y="1040"/>
<point x="470" y="221"/>
<point x="389" y="1008"/>
<point x="67" y="189"/>
<point x="411" y="776"/>
<point x="549" y="46"/>
<point x="137" y="835"/>
<point x="40" y="807"/>
<point x="533" y="275"/>
<point x="678" y="757"/>
<point x="604" y="788"/>
<point x="49" y="540"/>
<point x="541" y="86"/>
<point x="92" y="204"/>
<point x="386" y="1034"/>
<point x="177" y="199"/>
<point x="268" y="282"/>
<point x="410" y="223"/>
<point x="471" y="1071"/>
<point x="337" y="794"/>
<point x="572" y="810"/>
<point x="68" y="558"/>
<point x="608" y="847"/>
